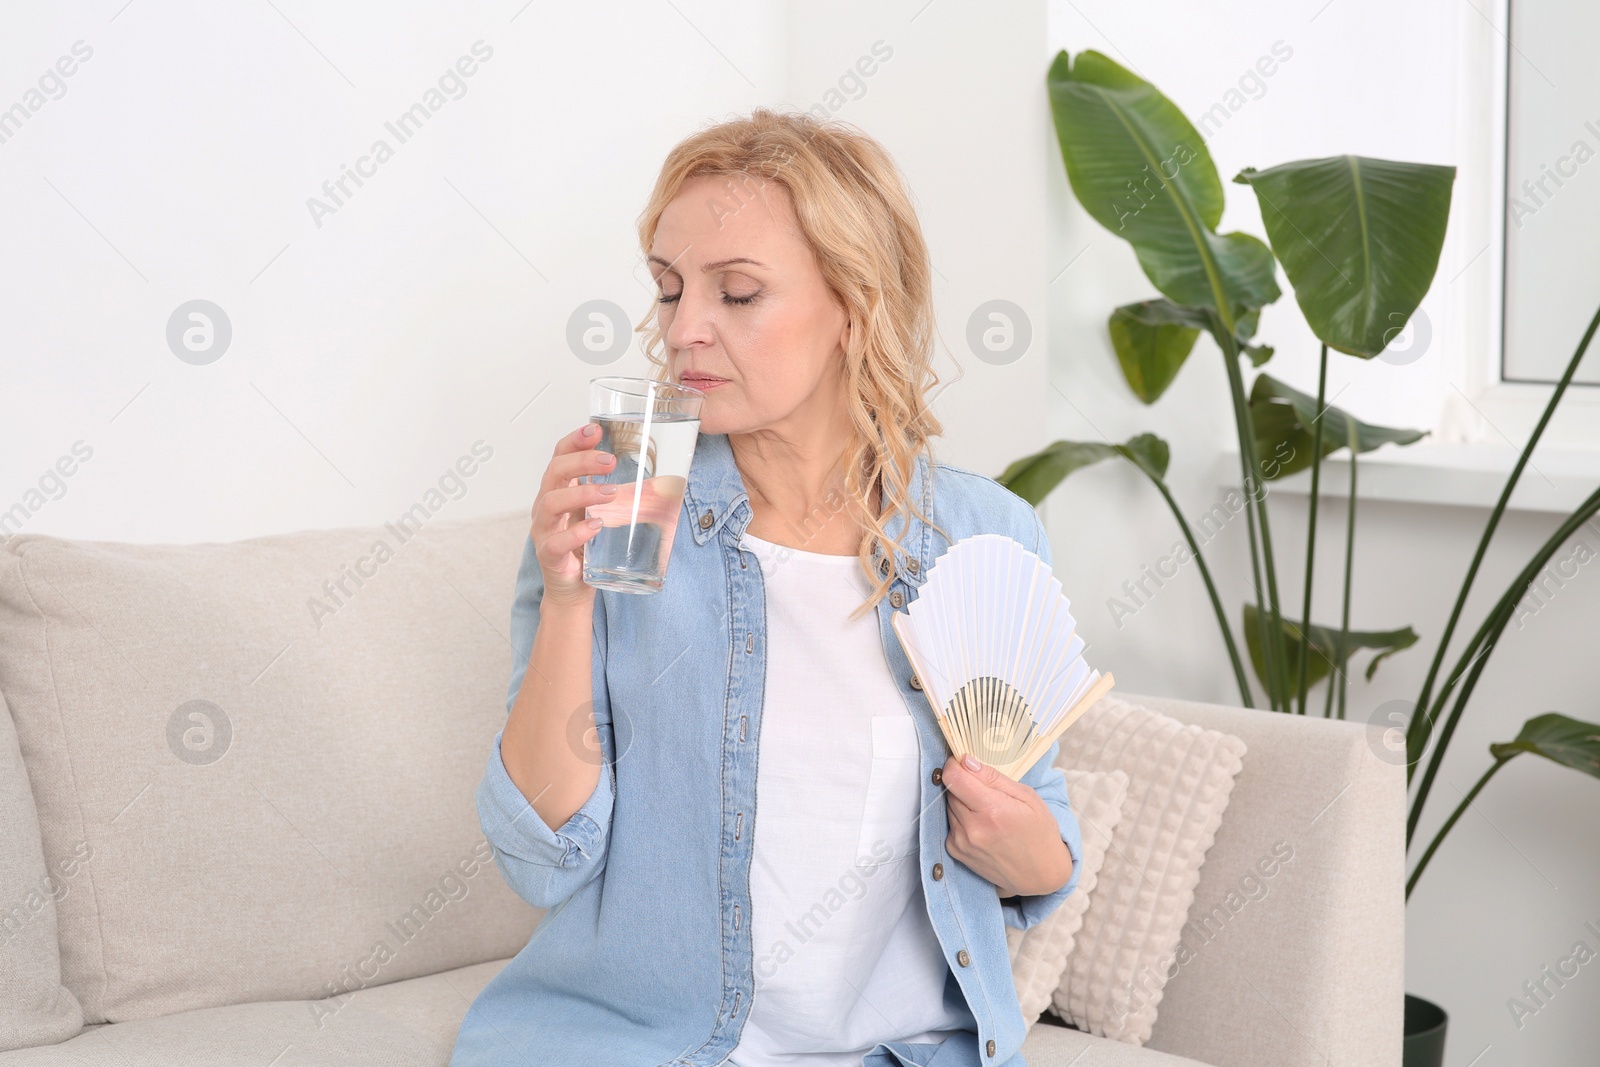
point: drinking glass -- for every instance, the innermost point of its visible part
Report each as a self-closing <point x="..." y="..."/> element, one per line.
<point x="651" y="427"/>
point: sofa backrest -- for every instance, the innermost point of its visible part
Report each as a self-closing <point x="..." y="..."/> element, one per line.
<point x="35" y="1009"/>
<point x="1293" y="955"/>
<point x="267" y="750"/>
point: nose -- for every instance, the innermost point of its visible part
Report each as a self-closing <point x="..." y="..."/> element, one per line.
<point x="692" y="323"/>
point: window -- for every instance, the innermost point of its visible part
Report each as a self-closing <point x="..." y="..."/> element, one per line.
<point x="1552" y="174"/>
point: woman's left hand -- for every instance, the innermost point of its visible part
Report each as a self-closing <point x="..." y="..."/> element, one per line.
<point x="1003" y="831"/>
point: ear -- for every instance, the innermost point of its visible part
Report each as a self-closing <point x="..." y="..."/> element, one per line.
<point x="844" y="335"/>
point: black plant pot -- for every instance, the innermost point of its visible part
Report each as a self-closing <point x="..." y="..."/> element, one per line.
<point x="1424" y="1042"/>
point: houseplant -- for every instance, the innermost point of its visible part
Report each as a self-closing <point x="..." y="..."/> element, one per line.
<point x="1359" y="241"/>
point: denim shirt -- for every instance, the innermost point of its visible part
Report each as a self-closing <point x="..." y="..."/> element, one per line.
<point x="644" y="956"/>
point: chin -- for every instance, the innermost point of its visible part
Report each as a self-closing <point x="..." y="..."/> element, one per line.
<point x="712" y="422"/>
<point x="715" y="420"/>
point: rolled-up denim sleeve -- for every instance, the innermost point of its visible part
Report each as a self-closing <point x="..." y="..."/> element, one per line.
<point x="545" y="866"/>
<point x="1051" y="784"/>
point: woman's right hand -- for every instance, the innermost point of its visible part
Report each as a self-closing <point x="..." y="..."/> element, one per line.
<point x="559" y="529"/>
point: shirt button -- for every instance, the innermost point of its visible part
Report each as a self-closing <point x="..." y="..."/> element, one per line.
<point x="989" y="1048"/>
<point x="749" y="642"/>
<point x="911" y="565"/>
<point x="916" y="683"/>
<point x="938" y="776"/>
<point x="938" y="871"/>
<point x="706" y="520"/>
<point x="962" y="958"/>
<point x="895" y="599"/>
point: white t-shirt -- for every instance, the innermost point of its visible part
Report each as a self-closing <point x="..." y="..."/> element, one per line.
<point x="845" y="954"/>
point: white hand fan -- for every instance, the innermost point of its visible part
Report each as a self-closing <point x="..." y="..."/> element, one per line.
<point x="994" y="646"/>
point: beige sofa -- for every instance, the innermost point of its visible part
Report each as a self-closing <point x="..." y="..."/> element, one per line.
<point x="237" y="821"/>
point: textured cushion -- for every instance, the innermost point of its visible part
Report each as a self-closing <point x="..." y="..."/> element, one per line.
<point x="35" y="1009"/>
<point x="1039" y="953"/>
<point x="402" y="1024"/>
<point x="1179" y="780"/>
<point x="271" y="748"/>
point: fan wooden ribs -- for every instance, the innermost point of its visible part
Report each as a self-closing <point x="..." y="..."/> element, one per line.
<point x="994" y="643"/>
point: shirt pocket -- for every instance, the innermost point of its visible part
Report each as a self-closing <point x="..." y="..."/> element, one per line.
<point x="889" y="817"/>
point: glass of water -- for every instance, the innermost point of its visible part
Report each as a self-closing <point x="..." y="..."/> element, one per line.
<point x="651" y="427"/>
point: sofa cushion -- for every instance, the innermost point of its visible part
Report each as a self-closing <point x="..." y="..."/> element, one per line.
<point x="35" y="1009"/>
<point x="1039" y="953"/>
<point x="1315" y="827"/>
<point x="1057" y="1046"/>
<point x="402" y="1024"/>
<point x="1179" y="780"/>
<point x="271" y="747"/>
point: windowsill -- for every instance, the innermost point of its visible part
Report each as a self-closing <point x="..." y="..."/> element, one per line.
<point x="1556" y="479"/>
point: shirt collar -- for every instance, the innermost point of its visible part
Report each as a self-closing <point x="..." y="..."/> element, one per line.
<point x="716" y="495"/>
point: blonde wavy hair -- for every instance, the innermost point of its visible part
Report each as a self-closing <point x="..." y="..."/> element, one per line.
<point x="854" y="212"/>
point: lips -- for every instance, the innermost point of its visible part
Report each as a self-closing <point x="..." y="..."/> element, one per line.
<point x="702" y="382"/>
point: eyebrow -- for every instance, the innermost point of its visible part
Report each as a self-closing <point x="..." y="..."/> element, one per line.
<point x="718" y="265"/>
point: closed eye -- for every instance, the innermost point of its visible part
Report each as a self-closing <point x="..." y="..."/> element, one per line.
<point x="727" y="298"/>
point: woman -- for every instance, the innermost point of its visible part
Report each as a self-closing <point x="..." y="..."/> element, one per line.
<point x="762" y="852"/>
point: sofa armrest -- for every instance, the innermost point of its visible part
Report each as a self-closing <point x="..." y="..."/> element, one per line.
<point x="1294" y="953"/>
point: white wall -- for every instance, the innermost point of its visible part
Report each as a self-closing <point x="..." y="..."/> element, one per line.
<point x="371" y="346"/>
<point x="1512" y="889"/>
<point x="972" y="150"/>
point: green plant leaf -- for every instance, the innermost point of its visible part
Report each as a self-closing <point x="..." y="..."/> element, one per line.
<point x="1569" y="742"/>
<point x="1142" y="171"/>
<point x="1325" y="646"/>
<point x="1152" y="339"/>
<point x="1033" y="477"/>
<point x="1285" y="419"/>
<point x="1359" y="239"/>
<point x="1147" y="452"/>
<point x="1245" y="323"/>
<point x="1258" y="354"/>
<point x="1245" y="329"/>
<point x="1372" y="664"/>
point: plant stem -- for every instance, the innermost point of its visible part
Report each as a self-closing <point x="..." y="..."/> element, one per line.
<point x="1311" y="534"/>
<point x="1438" y="839"/>
<point x="1421" y="725"/>
<point x="1349" y="561"/>
<point x="1211" y="590"/>
<point x="1476" y="655"/>
<point x="1263" y="636"/>
<point x="1280" y="653"/>
<point x="1269" y="629"/>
